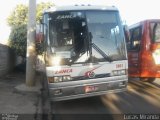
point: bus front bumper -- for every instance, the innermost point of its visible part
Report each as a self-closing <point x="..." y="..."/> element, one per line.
<point x="80" y="89"/>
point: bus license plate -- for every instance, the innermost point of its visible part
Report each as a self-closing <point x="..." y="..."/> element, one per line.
<point x="90" y="89"/>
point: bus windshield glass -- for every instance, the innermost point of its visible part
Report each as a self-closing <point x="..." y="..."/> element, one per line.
<point x="155" y="31"/>
<point x="82" y="36"/>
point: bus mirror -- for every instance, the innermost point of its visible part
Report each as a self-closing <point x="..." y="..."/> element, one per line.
<point x="40" y="21"/>
<point x="126" y="33"/>
<point x="39" y="33"/>
<point x="39" y="43"/>
<point x="39" y="38"/>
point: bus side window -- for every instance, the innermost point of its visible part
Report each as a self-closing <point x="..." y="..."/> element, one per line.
<point x="134" y="43"/>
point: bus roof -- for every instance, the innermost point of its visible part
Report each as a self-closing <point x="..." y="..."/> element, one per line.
<point x="80" y="7"/>
<point x="142" y="22"/>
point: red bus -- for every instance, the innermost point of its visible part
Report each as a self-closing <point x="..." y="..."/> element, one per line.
<point x="144" y="50"/>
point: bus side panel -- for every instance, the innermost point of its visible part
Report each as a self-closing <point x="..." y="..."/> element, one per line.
<point x="133" y="64"/>
<point x="134" y="55"/>
<point x="148" y="66"/>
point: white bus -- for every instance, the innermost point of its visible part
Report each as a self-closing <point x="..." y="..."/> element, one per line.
<point x="85" y="51"/>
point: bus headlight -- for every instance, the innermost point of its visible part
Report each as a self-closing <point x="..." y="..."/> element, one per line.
<point x="156" y="56"/>
<point x="50" y="79"/>
<point x="58" y="79"/>
<point x="55" y="79"/>
<point x="66" y="78"/>
<point x="55" y="60"/>
<point x="118" y="72"/>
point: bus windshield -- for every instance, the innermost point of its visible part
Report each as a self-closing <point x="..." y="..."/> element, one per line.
<point x="155" y="31"/>
<point x="82" y="36"/>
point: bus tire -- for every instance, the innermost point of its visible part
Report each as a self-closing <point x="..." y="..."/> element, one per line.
<point x="147" y="79"/>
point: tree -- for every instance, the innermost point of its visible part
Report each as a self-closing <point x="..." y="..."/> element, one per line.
<point x="19" y="16"/>
<point x="18" y="39"/>
<point x="40" y="7"/>
<point x="18" y="22"/>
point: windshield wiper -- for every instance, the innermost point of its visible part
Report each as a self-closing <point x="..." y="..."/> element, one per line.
<point x="91" y="44"/>
<point x="101" y="52"/>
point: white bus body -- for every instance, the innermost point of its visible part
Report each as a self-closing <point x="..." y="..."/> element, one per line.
<point x="85" y="51"/>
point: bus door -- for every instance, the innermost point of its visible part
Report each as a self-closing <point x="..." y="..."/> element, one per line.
<point x="133" y="47"/>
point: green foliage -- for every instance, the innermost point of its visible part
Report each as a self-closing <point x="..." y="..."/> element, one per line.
<point x="40" y="8"/>
<point x="18" y="22"/>
<point x="18" y="39"/>
<point x="18" y="16"/>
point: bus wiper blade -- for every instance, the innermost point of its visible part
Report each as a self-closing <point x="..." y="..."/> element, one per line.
<point x="101" y="52"/>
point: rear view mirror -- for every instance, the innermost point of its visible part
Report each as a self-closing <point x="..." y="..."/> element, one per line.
<point x="39" y="38"/>
<point x="39" y="34"/>
<point x="126" y="33"/>
<point x="41" y="21"/>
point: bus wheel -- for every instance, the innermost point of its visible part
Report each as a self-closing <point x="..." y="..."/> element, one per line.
<point x="148" y="79"/>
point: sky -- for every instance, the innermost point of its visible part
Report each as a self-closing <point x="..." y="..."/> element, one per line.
<point x="131" y="11"/>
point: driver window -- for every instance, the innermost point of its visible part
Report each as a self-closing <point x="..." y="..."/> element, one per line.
<point x="136" y="34"/>
<point x="65" y="33"/>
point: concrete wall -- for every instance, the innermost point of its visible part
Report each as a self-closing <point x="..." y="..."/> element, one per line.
<point x="7" y="59"/>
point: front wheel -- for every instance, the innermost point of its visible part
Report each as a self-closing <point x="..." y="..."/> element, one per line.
<point x="148" y="79"/>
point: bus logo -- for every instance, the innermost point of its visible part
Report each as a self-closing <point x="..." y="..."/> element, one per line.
<point x="91" y="74"/>
<point x="65" y="17"/>
<point x="63" y="71"/>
